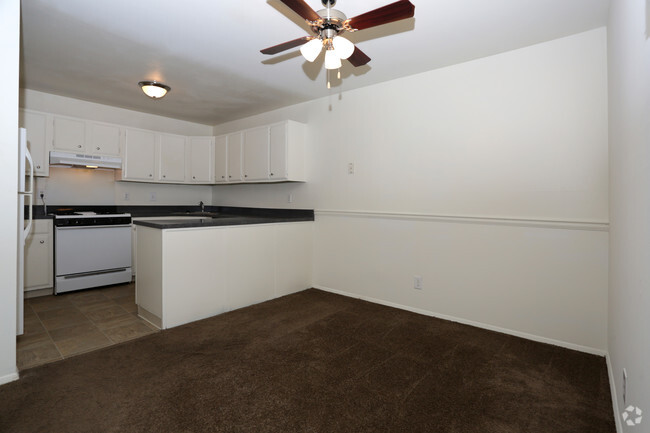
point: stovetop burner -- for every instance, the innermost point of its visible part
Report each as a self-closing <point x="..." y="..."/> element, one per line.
<point x="63" y="212"/>
<point x="81" y="213"/>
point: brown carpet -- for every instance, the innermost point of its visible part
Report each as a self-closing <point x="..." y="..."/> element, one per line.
<point x="315" y="362"/>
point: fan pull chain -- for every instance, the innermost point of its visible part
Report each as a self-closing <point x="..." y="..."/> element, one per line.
<point x="329" y="86"/>
<point x="338" y="73"/>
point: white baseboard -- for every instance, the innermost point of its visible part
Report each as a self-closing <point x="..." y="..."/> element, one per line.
<point x="525" y="335"/>
<point x="9" y="377"/>
<point x="612" y="390"/>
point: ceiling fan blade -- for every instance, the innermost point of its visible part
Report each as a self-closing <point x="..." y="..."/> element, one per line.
<point x="399" y="10"/>
<point x="302" y="9"/>
<point x="358" y="57"/>
<point x="285" y="46"/>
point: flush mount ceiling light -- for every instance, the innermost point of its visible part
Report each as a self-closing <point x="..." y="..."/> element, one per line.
<point x="328" y="25"/>
<point x="154" y="89"/>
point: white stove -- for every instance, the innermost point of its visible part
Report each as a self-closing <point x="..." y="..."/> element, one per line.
<point x="91" y="249"/>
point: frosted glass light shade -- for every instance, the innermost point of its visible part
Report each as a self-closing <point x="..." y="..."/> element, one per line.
<point x="332" y="60"/>
<point x="311" y="49"/>
<point x="343" y="47"/>
<point x="154" y="89"/>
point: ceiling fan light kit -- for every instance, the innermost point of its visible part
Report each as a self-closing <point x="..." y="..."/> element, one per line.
<point x="343" y="47"/>
<point x="311" y="49"/>
<point x="332" y="60"/>
<point x="154" y="89"/>
<point x="328" y="24"/>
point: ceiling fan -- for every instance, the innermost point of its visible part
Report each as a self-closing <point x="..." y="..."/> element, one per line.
<point x="328" y="24"/>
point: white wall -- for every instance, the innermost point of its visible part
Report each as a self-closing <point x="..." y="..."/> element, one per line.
<point x="629" y="138"/>
<point x="9" y="58"/>
<point x="75" y="186"/>
<point x="67" y="186"/>
<point x="519" y="138"/>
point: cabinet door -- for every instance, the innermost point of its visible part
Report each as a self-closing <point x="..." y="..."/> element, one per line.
<point x="278" y="152"/>
<point x="234" y="157"/>
<point x="201" y="158"/>
<point x="256" y="154"/>
<point x="69" y="134"/>
<point x="103" y="139"/>
<point x="172" y="158"/>
<point x="221" y="159"/>
<point x="139" y="155"/>
<point x="38" y="262"/>
<point x="36" y="126"/>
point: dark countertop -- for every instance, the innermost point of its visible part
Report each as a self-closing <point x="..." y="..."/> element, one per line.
<point x="221" y="220"/>
<point x="226" y="215"/>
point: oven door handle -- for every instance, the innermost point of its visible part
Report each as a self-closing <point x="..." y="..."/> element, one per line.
<point x="109" y="226"/>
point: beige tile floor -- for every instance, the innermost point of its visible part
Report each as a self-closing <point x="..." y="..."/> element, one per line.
<point x="58" y="327"/>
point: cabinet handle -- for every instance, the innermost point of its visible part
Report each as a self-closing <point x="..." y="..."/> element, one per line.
<point x="193" y="177"/>
<point x="271" y="174"/>
<point x="38" y="166"/>
<point x="164" y="176"/>
<point x="97" y="148"/>
<point x="223" y="177"/>
<point x="229" y="176"/>
<point x="42" y="242"/>
<point x="150" y="175"/>
<point x="245" y="175"/>
<point x="79" y="146"/>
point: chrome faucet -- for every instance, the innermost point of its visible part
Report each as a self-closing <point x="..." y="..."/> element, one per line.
<point x="202" y="206"/>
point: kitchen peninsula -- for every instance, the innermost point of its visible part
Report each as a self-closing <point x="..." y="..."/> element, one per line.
<point x="190" y="269"/>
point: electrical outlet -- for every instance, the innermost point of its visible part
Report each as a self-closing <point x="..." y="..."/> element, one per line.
<point x="41" y="193"/>
<point x="290" y="199"/>
<point x="624" y="386"/>
<point x="152" y="196"/>
<point x="417" y="282"/>
<point x="126" y="196"/>
<point x="351" y="168"/>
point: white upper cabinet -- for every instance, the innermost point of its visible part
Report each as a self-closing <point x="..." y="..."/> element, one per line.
<point x="234" y="145"/>
<point x="84" y="136"/>
<point x="271" y="153"/>
<point x="278" y="164"/>
<point x="221" y="159"/>
<point x="171" y="160"/>
<point x="256" y="154"/>
<point x="69" y="134"/>
<point x="103" y="139"/>
<point x="139" y="155"/>
<point x="287" y="151"/>
<point x="38" y="126"/>
<point x="201" y="159"/>
<point x="268" y="153"/>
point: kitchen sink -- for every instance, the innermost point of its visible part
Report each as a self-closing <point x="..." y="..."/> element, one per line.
<point x="200" y="214"/>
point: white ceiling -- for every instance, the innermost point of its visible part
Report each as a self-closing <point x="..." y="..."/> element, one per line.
<point x="208" y="51"/>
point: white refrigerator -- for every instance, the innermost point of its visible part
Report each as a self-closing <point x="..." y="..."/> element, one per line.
<point x="24" y="227"/>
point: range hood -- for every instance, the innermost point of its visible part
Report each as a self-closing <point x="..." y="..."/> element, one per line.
<point x="69" y="159"/>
